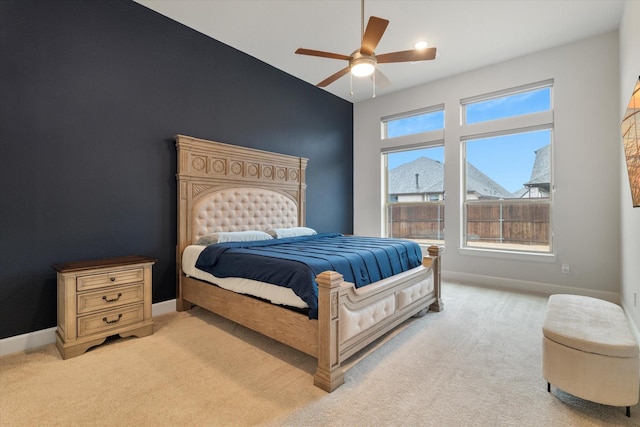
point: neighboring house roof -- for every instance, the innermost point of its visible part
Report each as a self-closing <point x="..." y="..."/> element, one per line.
<point x="484" y="186"/>
<point x="403" y="180"/>
<point x="540" y="173"/>
<point x="519" y="194"/>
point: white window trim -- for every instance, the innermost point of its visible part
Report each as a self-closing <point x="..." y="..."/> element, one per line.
<point x="415" y="141"/>
<point x="506" y="92"/>
<point x="500" y="127"/>
<point x="508" y="126"/>
<point x="384" y="120"/>
<point x="509" y="255"/>
<point x="432" y="139"/>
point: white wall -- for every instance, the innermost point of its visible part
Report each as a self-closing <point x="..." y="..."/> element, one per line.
<point x="586" y="212"/>
<point x="630" y="219"/>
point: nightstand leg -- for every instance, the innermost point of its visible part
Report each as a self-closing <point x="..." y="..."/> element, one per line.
<point x="69" y="351"/>
<point x="140" y="332"/>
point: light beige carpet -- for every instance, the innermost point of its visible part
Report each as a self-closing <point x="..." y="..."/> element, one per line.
<point x="477" y="363"/>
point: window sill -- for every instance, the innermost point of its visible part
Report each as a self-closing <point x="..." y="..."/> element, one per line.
<point x="512" y="255"/>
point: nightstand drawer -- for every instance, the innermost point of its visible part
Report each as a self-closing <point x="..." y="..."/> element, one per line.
<point x="110" y="298"/>
<point x="111" y="319"/>
<point x="112" y="278"/>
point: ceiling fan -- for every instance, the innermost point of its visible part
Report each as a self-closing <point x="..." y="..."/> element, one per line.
<point x="363" y="61"/>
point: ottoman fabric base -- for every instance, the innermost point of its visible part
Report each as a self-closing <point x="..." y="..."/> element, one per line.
<point x="602" y="379"/>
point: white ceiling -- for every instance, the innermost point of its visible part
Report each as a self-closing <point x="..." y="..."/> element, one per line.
<point x="467" y="33"/>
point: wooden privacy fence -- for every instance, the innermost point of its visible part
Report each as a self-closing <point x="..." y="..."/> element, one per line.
<point x="496" y="222"/>
<point x="505" y="222"/>
<point x="416" y="220"/>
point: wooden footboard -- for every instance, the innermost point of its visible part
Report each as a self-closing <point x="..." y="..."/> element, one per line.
<point x="350" y="319"/>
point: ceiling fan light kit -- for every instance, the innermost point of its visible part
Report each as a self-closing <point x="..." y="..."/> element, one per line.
<point x="363" y="62"/>
<point x="362" y="65"/>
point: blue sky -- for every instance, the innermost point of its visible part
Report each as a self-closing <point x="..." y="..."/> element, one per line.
<point x="508" y="160"/>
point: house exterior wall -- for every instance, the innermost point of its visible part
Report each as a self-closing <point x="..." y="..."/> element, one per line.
<point x="586" y="139"/>
<point x="411" y="198"/>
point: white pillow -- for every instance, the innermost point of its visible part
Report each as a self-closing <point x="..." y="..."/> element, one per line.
<point x="280" y="233"/>
<point x="233" y="236"/>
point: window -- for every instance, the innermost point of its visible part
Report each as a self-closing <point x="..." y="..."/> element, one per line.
<point x="415" y="194"/>
<point x="531" y="101"/>
<point x="414" y="175"/>
<point x="507" y="170"/>
<point x="413" y="122"/>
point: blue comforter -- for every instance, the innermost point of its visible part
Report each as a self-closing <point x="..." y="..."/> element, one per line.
<point x="295" y="262"/>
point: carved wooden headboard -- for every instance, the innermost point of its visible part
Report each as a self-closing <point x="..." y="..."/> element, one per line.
<point x="224" y="187"/>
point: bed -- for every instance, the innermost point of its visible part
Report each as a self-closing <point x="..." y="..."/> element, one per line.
<point x="227" y="188"/>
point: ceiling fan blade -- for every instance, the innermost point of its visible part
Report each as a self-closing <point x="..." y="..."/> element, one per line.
<point x="372" y="35"/>
<point x="332" y="78"/>
<point x="322" y="54"/>
<point x="381" y="80"/>
<point x="407" y="56"/>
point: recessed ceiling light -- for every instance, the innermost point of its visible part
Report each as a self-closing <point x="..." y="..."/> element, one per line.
<point x="421" y="45"/>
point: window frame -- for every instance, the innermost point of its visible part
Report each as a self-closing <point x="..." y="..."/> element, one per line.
<point x="436" y="140"/>
<point x="512" y="125"/>
<point x="501" y="94"/>
<point x="384" y="121"/>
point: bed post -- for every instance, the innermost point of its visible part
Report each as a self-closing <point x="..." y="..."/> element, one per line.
<point x="181" y="304"/>
<point x="329" y="374"/>
<point x="183" y="217"/>
<point x="434" y="251"/>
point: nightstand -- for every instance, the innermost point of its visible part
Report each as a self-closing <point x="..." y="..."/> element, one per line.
<point x="101" y="298"/>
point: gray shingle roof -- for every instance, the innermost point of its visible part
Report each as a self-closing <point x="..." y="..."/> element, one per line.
<point x="541" y="167"/>
<point x="403" y="180"/>
<point x="484" y="186"/>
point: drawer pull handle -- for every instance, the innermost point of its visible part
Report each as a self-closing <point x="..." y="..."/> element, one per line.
<point x="104" y="297"/>
<point x="113" y="279"/>
<point x="109" y="322"/>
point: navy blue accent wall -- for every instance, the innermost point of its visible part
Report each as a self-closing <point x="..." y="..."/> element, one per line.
<point x="91" y="95"/>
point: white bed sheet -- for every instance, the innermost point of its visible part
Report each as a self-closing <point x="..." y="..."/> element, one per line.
<point x="274" y="293"/>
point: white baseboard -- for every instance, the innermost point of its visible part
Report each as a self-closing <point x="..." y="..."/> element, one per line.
<point x="163" y="307"/>
<point x="47" y="336"/>
<point x="27" y="341"/>
<point x="526" y="286"/>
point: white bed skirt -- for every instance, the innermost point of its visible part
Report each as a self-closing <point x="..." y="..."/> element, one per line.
<point x="274" y="293"/>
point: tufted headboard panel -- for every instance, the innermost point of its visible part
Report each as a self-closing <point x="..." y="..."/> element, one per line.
<point x="224" y="187"/>
<point x="240" y="209"/>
